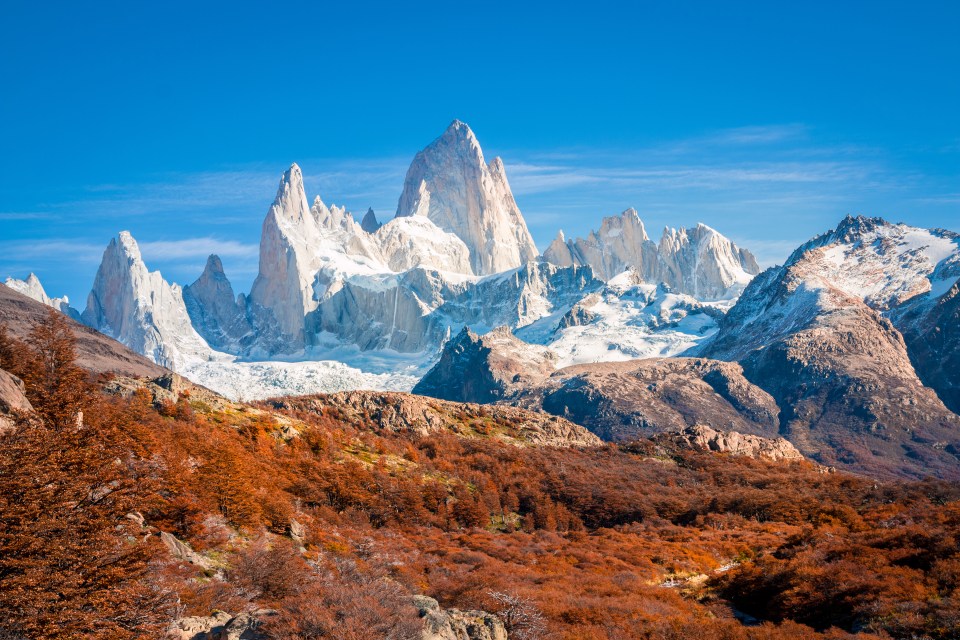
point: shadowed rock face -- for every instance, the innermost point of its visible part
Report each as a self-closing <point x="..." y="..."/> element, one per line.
<point x="486" y="368"/>
<point x="638" y="398"/>
<point x="215" y="311"/>
<point x="932" y="335"/>
<point x="95" y="351"/>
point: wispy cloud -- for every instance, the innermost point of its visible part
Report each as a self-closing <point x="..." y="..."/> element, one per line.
<point x="196" y="248"/>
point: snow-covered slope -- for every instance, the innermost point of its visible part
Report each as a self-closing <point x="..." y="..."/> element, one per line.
<point x="699" y="261"/>
<point x="32" y="288"/>
<point x="627" y="319"/>
<point x="140" y="309"/>
<point x="450" y="183"/>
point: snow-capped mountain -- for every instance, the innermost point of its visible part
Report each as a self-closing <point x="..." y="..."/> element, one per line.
<point x="699" y="262"/>
<point x="385" y="296"/>
<point x="836" y="336"/>
<point x="32" y="288"/>
<point x="450" y="184"/>
<point x="140" y="309"/>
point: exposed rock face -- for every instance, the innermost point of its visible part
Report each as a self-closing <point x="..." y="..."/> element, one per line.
<point x="404" y="412"/>
<point x="450" y="183"/>
<point x="487" y="368"/>
<point x="698" y="261"/>
<point x="932" y="335"/>
<point x="32" y="288"/>
<point x="13" y="400"/>
<point x="13" y="396"/>
<point x="627" y="400"/>
<point x="182" y="551"/>
<point x="811" y="333"/>
<point x="214" y="310"/>
<point x="616" y="400"/>
<point x="95" y="351"/>
<point x="288" y="243"/>
<point x="220" y="625"/>
<point x="703" y="438"/>
<point x="141" y="309"/>
<point x="453" y="624"/>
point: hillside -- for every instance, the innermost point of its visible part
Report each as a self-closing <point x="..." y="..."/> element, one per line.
<point x="309" y="514"/>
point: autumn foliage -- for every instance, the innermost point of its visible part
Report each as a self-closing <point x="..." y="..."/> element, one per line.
<point x="333" y="524"/>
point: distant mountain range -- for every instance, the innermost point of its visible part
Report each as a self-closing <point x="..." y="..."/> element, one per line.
<point x="849" y="350"/>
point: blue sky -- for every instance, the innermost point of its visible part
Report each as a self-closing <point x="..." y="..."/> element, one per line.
<point x="766" y="121"/>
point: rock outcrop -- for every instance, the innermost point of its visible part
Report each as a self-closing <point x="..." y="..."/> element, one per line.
<point x="703" y="438"/>
<point x="699" y="261"/>
<point x="638" y="398"/>
<point x="220" y="625"/>
<point x="453" y="624"/>
<point x="487" y="368"/>
<point x="615" y="400"/>
<point x="369" y="223"/>
<point x="404" y="412"/>
<point x="13" y="400"/>
<point x="450" y="183"/>
<point x="140" y="309"/>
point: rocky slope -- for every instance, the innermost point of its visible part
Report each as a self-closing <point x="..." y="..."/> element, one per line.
<point x="408" y="413"/>
<point x="95" y="351"/>
<point x="698" y="261"/>
<point x="703" y="438"/>
<point x="817" y="335"/>
<point x="450" y="183"/>
<point x="615" y="400"/>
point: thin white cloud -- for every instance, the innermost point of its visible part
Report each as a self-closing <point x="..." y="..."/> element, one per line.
<point x="165" y="250"/>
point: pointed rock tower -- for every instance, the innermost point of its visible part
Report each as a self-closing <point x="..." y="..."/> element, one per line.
<point x="140" y="309"/>
<point x="214" y="309"/>
<point x="450" y="183"/>
<point x="288" y="245"/>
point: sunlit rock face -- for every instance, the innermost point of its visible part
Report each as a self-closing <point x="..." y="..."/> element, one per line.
<point x="450" y="183"/>
<point x="140" y="309"/>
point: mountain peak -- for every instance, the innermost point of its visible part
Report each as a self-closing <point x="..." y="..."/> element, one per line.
<point x="370" y="224"/>
<point x="450" y="184"/>
<point x="214" y="264"/>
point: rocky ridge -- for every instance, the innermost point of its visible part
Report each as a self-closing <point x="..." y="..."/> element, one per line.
<point x="697" y="261"/>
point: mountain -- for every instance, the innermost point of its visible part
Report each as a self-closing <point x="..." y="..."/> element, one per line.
<point x="218" y="315"/>
<point x="824" y="351"/>
<point x="32" y="288"/>
<point x="820" y="334"/>
<point x="449" y="183"/>
<point x="140" y="309"/>
<point x="699" y="261"/>
<point x="288" y="258"/>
